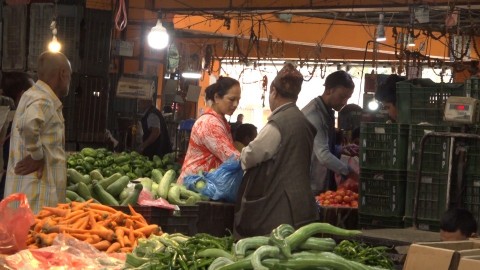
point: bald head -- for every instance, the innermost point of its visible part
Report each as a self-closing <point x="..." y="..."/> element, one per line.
<point x="54" y="69"/>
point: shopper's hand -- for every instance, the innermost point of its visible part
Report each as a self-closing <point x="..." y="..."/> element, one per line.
<point x="350" y="150"/>
<point x="28" y="165"/>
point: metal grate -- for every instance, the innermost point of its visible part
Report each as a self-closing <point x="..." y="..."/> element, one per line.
<point x="14" y="36"/>
<point x="95" y="52"/>
<point x="69" y="110"/>
<point x="91" y="108"/>
<point x="68" y="26"/>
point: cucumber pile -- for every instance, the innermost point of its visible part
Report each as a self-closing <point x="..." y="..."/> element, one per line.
<point x="118" y="179"/>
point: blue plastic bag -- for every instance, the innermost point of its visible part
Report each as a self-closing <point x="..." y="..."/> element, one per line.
<point x="221" y="184"/>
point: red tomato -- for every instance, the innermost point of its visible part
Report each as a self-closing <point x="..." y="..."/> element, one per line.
<point x="326" y="202"/>
<point x="338" y="199"/>
<point x="347" y="199"/>
<point x="355" y="196"/>
<point x="328" y="192"/>
<point x="341" y="192"/>
<point x="354" y="204"/>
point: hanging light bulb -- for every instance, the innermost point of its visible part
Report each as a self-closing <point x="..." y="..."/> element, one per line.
<point x="373" y="105"/>
<point x="411" y="40"/>
<point x="54" y="45"/>
<point x="380" y="29"/>
<point x="158" y="37"/>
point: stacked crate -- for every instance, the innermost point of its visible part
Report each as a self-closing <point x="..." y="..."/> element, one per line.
<point x="421" y="105"/>
<point x="471" y="197"/>
<point x="383" y="160"/>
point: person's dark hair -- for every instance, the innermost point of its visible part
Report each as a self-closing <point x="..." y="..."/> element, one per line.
<point x="245" y="131"/>
<point x="13" y="83"/>
<point x="356" y="133"/>
<point x="458" y="219"/>
<point x="220" y="87"/>
<point x="387" y="91"/>
<point x="339" y="78"/>
<point x="288" y="82"/>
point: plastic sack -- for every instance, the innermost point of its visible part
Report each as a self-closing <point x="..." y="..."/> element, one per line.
<point x="65" y="253"/>
<point x="14" y="223"/>
<point x="146" y="199"/>
<point x="221" y="184"/>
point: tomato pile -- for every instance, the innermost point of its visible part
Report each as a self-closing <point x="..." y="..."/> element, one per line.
<point x="341" y="197"/>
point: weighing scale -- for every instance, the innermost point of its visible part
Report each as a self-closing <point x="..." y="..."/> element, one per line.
<point x="460" y="110"/>
<point x="464" y="110"/>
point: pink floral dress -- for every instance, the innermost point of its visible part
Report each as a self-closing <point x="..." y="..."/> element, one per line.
<point x="210" y="144"/>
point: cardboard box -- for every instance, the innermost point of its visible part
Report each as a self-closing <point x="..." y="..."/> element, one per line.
<point x="469" y="263"/>
<point x="439" y="255"/>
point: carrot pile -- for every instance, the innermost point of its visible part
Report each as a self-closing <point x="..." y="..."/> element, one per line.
<point x="102" y="226"/>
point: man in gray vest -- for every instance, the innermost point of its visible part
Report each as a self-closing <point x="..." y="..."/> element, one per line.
<point x="276" y="185"/>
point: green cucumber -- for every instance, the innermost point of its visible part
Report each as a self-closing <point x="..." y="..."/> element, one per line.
<point x="133" y="197"/>
<point x="108" y="181"/>
<point x="116" y="187"/>
<point x="157" y="176"/>
<point x="84" y="191"/>
<point x="96" y="175"/>
<point x="75" y="177"/>
<point x="73" y="196"/>
<point x="103" y="196"/>
<point x="164" y="185"/>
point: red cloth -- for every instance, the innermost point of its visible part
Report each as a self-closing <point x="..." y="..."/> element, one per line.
<point x="210" y="144"/>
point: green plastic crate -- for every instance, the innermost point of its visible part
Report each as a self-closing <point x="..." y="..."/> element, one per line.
<point x="422" y="100"/>
<point x="379" y="222"/>
<point x="383" y="146"/>
<point x="435" y="152"/>
<point x="472" y="87"/>
<point x="382" y="192"/>
<point x="432" y="195"/>
<point x="471" y="198"/>
<point x="473" y="157"/>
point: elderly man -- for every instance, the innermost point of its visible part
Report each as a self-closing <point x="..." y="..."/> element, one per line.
<point x="276" y="185"/>
<point x="36" y="165"/>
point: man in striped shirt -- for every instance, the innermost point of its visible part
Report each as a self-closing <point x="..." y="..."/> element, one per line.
<point x="36" y="164"/>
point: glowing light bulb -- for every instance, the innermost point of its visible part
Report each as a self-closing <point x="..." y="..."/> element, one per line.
<point x="373" y="105"/>
<point x="54" y="45"/>
<point x="158" y="37"/>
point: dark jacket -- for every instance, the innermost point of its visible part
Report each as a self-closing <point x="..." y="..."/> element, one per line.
<point x="278" y="190"/>
<point x="161" y="145"/>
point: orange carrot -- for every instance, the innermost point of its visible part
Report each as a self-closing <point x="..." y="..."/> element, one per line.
<point x="136" y="214"/>
<point x="74" y="218"/>
<point x="33" y="246"/>
<point x="131" y="235"/>
<point x="91" y="220"/>
<point x="114" y="247"/>
<point x="126" y="241"/>
<point x="57" y="211"/>
<point x="138" y="224"/>
<point x="102" y="245"/>
<point x="45" y="239"/>
<point x="147" y="230"/>
<point x="126" y="249"/>
<point x="80" y="205"/>
<point x="80" y="236"/>
<point x="120" y="233"/>
<point x="102" y="207"/>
